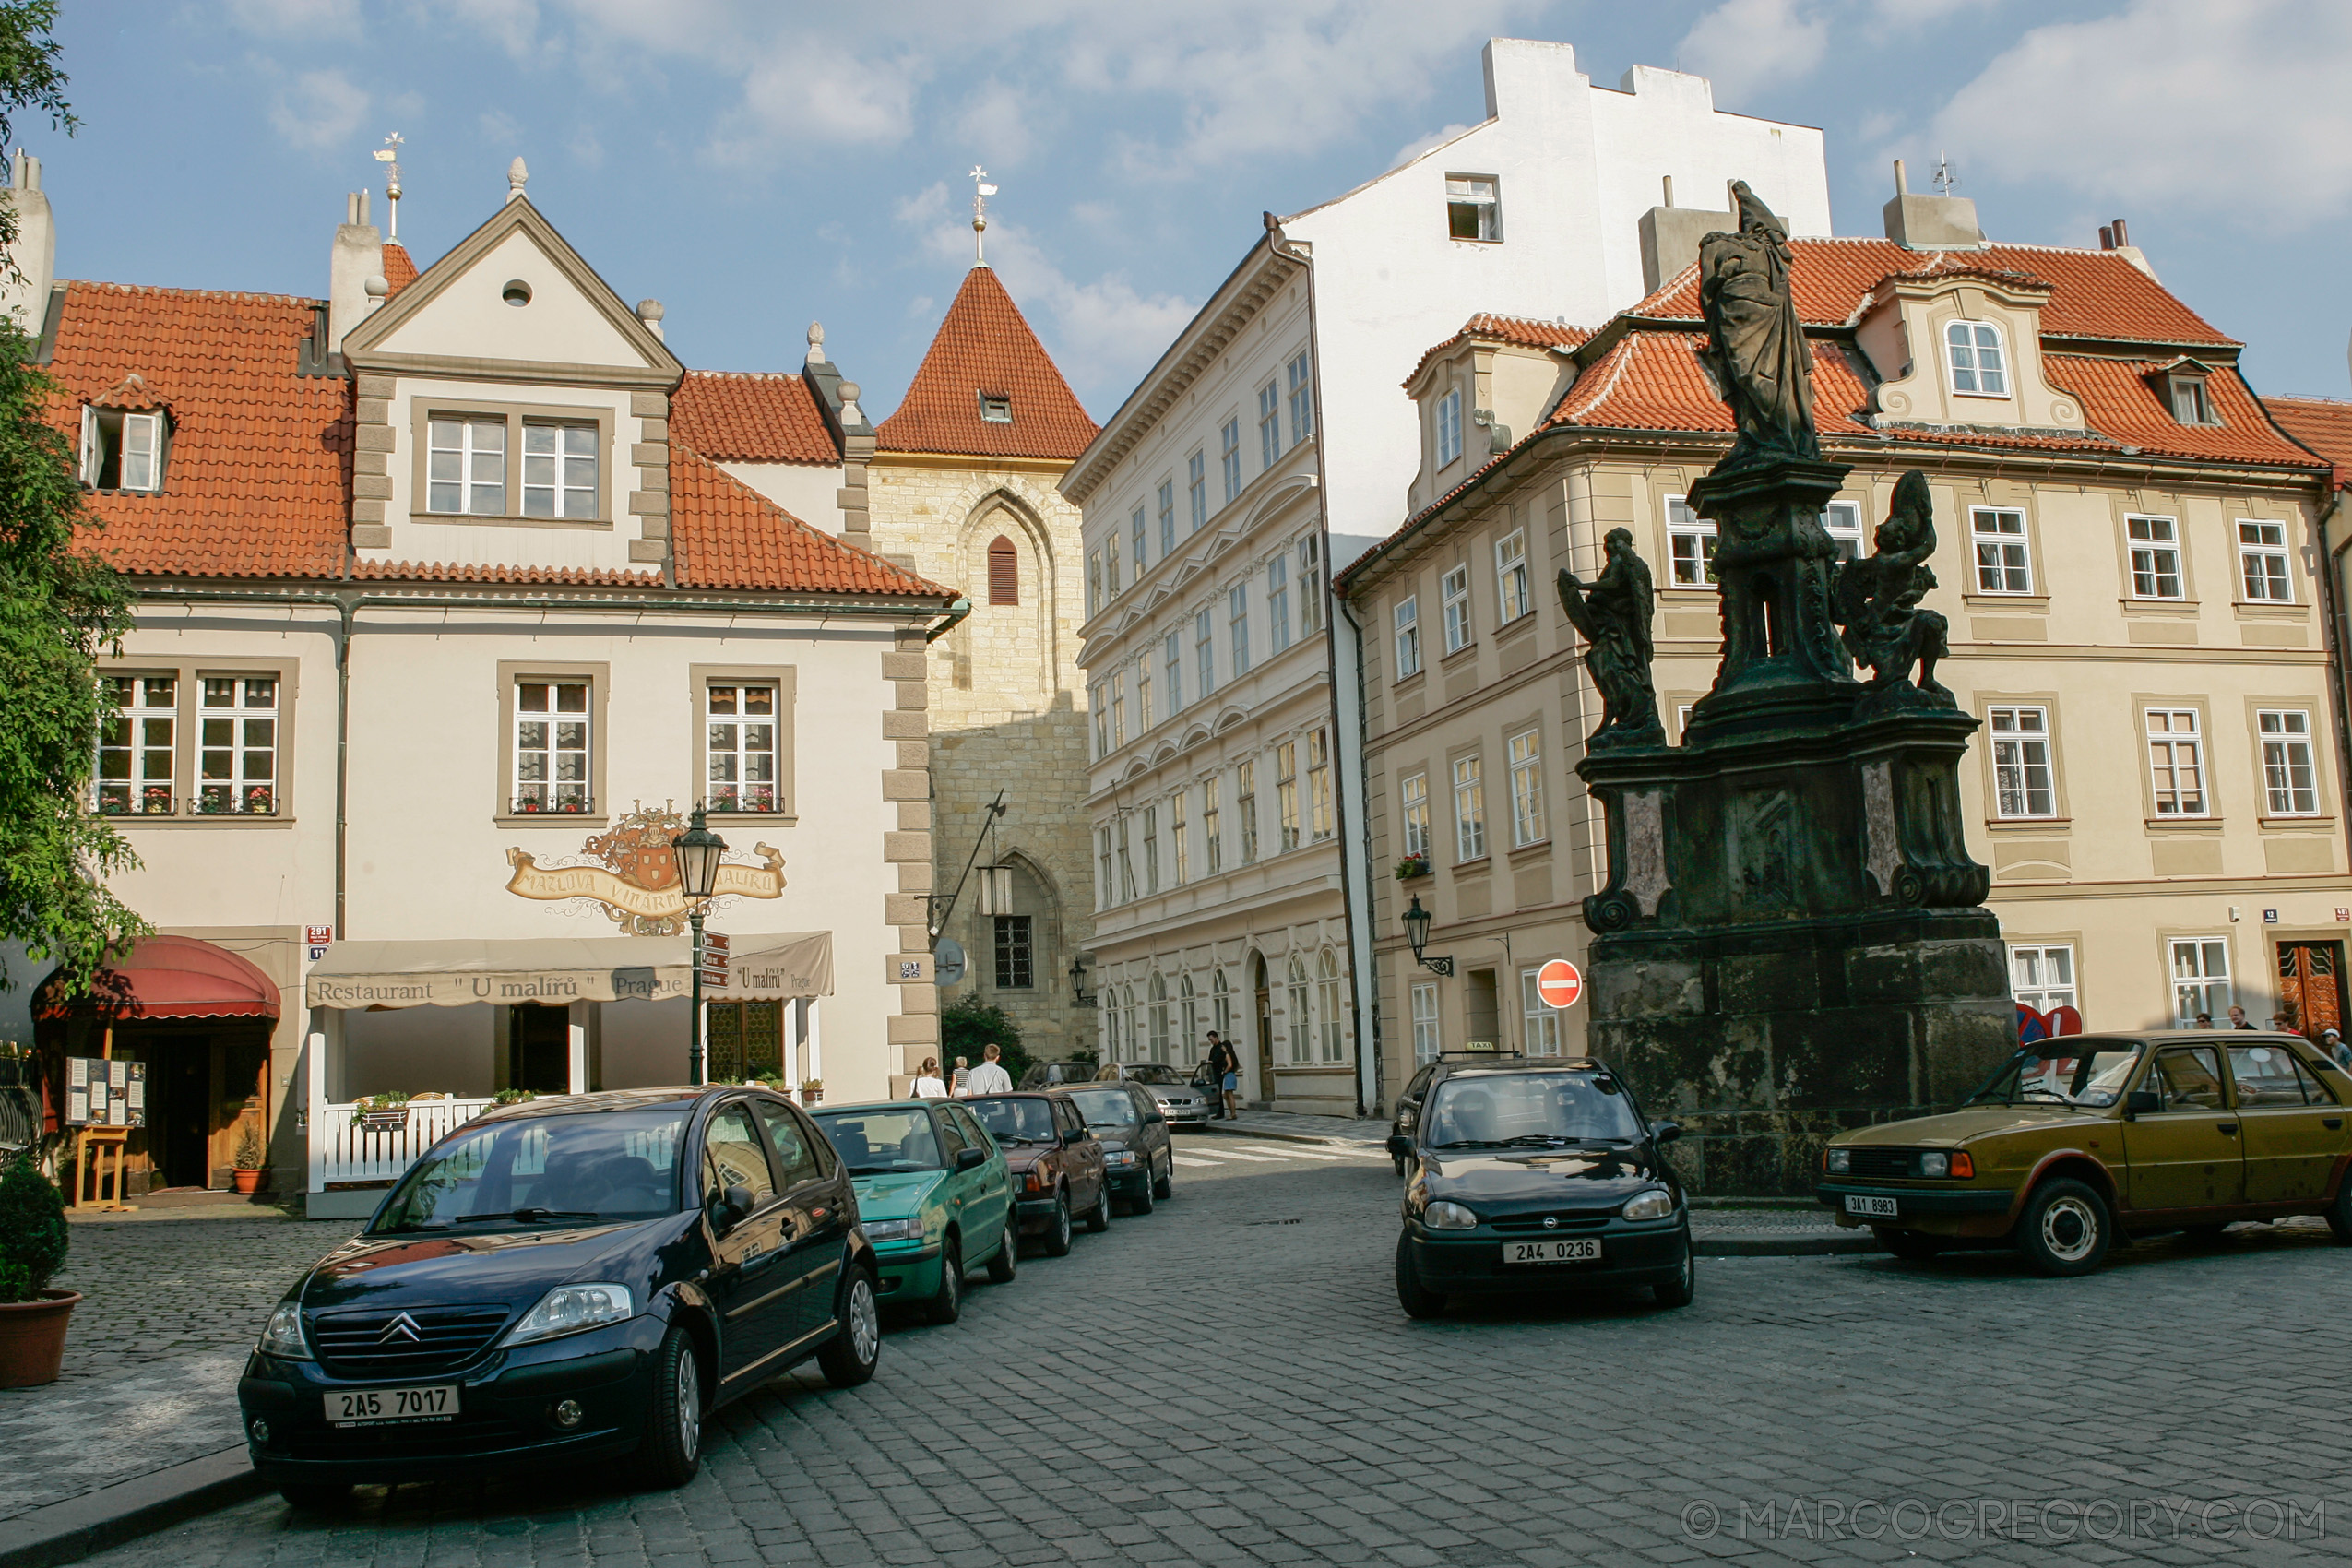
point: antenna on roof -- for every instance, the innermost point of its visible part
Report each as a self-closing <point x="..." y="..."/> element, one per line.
<point x="1944" y="178"/>
<point x="981" y="191"/>
<point x="389" y="156"/>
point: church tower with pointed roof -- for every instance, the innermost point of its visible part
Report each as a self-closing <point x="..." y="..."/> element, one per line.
<point x="962" y="488"/>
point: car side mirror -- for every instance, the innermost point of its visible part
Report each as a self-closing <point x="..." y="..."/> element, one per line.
<point x="1400" y="1145"/>
<point x="1071" y="1140"/>
<point x="972" y="1158"/>
<point x="1666" y="1132"/>
<point x="2141" y="1100"/>
<point x="727" y="1208"/>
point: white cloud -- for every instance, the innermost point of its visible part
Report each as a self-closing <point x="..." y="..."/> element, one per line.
<point x="2172" y="101"/>
<point x="319" y="109"/>
<point x="501" y="128"/>
<point x="820" y="94"/>
<point x="1743" y="45"/>
<point x="1421" y="144"/>
<point x="997" y="120"/>
<point x="296" y="19"/>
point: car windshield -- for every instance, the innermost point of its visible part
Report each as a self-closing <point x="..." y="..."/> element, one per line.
<point x="577" y="1170"/>
<point x="1015" y="1121"/>
<point x="1533" y="1109"/>
<point x="1105" y="1108"/>
<point x="2066" y="1071"/>
<point x="872" y="1143"/>
<point x="1153" y="1073"/>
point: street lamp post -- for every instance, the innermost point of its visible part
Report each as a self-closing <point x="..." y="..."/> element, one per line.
<point x="1417" y="921"/>
<point x="698" y="851"/>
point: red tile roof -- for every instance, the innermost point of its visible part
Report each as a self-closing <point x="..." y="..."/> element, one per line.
<point x="398" y="270"/>
<point x="1518" y="330"/>
<point x="750" y="417"/>
<point x="726" y="535"/>
<point x="2095" y="293"/>
<point x="2323" y="425"/>
<point x="985" y="347"/>
<point x="446" y="572"/>
<point x="258" y="474"/>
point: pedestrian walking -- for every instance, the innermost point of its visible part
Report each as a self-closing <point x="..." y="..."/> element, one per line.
<point x="963" y="1072"/>
<point x="928" y="1083"/>
<point x="2204" y="1020"/>
<point x="1225" y="1069"/>
<point x="2332" y="1042"/>
<point x="2238" y="1017"/>
<point x="989" y="1077"/>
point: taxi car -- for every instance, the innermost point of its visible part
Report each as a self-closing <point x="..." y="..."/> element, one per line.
<point x="1538" y="1178"/>
<point x="934" y="1197"/>
<point x="2080" y="1141"/>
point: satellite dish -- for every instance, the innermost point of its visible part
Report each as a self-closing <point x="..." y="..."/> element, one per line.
<point x="947" y="961"/>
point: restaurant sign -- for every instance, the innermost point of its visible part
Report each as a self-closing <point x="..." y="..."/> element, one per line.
<point x="628" y="871"/>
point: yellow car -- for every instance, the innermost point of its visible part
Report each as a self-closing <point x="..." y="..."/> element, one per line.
<point x="2078" y="1139"/>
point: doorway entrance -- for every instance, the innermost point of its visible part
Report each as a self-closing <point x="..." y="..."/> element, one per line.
<point x="2310" y="985"/>
<point x="204" y="1084"/>
<point x="1263" y="991"/>
<point x="539" y="1048"/>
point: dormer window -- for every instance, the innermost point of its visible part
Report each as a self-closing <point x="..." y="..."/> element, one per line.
<point x="1449" y="427"/>
<point x="1978" y="367"/>
<point x="1473" y="209"/>
<point x="996" y="410"/>
<point x="124" y="449"/>
<point x="2189" y="403"/>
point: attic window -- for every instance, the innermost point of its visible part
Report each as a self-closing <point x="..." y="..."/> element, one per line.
<point x="2189" y="403"/>
<point x="517" y="293"/>
<point x="1473" y="209"/>
<point x="123" y="450"/>
<point x="996" y="410"/>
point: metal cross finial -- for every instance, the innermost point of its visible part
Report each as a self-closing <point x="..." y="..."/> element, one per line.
<point x="389" y="156"/>
<point x="981" y="191"/>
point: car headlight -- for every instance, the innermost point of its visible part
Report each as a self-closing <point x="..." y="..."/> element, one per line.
<point x="1935" y="1163"/>
<point x="569" y="1309"/>
<point x="1118" y="1157"/>
<point x="1839" y="1161"/>
<point x="283" y="1336"/>
<point x="893" y="1229"/>
<point x="1655" y="1203"/>
<point x="1444" y="1215"/>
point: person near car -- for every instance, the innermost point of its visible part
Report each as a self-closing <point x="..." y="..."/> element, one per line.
<point x="989" y="1077"/>
<point x="1226" y="1068"/>
<point x="2204" y="1020"/>
<point x="2281" y="1024"/>
<point x="928" y="1083"/>
<point x="2332" y="1042"/>
<point x="963" y="1072"/>
<point x="2238" y="1017"/>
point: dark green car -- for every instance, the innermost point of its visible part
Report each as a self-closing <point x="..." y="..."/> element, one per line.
<point x="933" y="1197"/>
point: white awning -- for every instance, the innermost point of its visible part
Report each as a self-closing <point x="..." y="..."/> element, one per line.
<point x="449" y="973"/>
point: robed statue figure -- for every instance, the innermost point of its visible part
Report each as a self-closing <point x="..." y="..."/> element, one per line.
<point x="1613" y="612"/>
<point x="1756" y="348"/>
<point x="1877" y="602"/>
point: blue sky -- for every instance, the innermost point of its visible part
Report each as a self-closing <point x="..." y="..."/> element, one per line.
<point x="756" y="166"/>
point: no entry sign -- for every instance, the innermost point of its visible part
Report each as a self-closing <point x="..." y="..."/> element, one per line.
<point x="1559" y="983"/>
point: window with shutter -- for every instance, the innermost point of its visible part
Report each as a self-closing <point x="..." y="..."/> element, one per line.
<point x="1004" y="572"/>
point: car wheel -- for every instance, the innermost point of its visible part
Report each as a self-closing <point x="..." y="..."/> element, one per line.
<point x="1007" y="1261"/>
<point x="1165" y="1188"/>
<point x="1099" y="1217"/>
<point x="313" y="1497"/>
<point x="1399" y="1160"/>
<point x="2339" y="1213"/>
<point x="2065" y="1229"/>
<point x="1417" y="1299"/>
<point x="1685" y="1285"/>
<point x="1057" y="1230"/>
<point x="671" y="1451"/>
<point x="849" y="1358"/>
<point x="1908" y="1245"/>
<point x="948" y="1305"/>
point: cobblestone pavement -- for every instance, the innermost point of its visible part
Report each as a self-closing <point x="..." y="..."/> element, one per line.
<point x="1229" y="1381"/>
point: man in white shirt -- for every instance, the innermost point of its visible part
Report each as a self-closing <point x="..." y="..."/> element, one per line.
<point x="989" y="1077"/>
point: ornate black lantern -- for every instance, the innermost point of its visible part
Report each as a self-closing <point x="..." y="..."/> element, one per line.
<point x="1416" y="924"/>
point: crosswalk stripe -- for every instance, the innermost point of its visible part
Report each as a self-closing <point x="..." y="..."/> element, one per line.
<point x="1291" y="1153"/>
<point x="1253" y="1159"/>
<point x="1195" y="1162"/>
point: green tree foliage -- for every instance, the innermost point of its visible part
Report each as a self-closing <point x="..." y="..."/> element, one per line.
<point x="29" y="80"/>
<point x="969" y="1025"/>
<point x="33" y="1235"/>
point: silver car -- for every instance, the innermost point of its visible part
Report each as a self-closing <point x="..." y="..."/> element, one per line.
<point x="1182" y="1100"/>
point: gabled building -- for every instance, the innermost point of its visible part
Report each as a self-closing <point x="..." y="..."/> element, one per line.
<point x="444" y="622"/>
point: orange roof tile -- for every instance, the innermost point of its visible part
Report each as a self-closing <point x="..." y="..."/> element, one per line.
<point x="2323" y="425"/>
<point x="447" y="572"/>
<point x="2095" y="293"/>
<point x="260" y="456"/>
<point x="750" y="417"/>
<point x="1518" y="330"/>
<point x="984" y="346"/>
<point x="398" y="270"/>
<point x="726" y="535"/>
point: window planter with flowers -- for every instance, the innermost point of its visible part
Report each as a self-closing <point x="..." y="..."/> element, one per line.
<point x="565" y="805"/>
<point x="228" y="800"/>
<point x="122" y="800"/>
<point x="1412" y="866"/>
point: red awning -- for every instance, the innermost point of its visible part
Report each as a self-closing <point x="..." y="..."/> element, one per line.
<point x="168" y="977"/>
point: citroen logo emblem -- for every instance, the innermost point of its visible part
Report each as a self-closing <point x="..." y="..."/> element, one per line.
<point x="1551" y="1222"/>
<point x="401" y="1327"/>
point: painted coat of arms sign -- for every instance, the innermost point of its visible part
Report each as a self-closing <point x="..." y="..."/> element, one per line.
<point x="630" y="872"/>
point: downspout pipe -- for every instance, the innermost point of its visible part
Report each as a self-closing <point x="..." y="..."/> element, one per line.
<point x="953" y="618"/>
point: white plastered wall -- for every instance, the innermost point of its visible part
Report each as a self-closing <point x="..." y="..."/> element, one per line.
<point x="811" y="492"/>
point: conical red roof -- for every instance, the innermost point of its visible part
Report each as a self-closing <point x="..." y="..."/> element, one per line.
<point x="985" y="348"/>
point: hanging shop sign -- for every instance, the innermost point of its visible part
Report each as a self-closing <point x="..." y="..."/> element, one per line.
<point x="631" y="875"/>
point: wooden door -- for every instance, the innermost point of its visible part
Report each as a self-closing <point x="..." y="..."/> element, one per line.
<point x="2310" y="985"/>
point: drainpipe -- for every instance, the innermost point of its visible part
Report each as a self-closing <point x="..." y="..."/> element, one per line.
<point x="956" y="613"/>
<point x="2331" y="588"/>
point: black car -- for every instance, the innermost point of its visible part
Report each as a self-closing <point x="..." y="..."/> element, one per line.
<point x="1138" y="1155"/>
<point x="1416" y="1090"/>
<point x="562" y="1280"/>
<point x="1537" y="1179"/>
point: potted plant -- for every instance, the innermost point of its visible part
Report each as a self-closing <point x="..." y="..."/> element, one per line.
<point x="509" y="1097"/>
<point x="1412" y="866"/>
<point x="812" y="1091"/>
<point x="381" y="1112"/>
<point x="33" y="1239"/>
<point x="252" y="1155"/>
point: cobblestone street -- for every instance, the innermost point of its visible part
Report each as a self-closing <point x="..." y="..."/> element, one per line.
<point x="1229" y="1381"/>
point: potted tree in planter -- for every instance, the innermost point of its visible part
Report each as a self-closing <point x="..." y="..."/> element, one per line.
<point x="33" y="1239"/>
<point x="252" y="1154"/>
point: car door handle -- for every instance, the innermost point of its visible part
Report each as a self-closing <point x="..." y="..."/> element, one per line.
<point x="2333" y="1123"/>
<point x="2229" y="1129"/>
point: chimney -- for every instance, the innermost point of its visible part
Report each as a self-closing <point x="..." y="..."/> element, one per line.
<point x="36" y="249"/>
<point x="1930" y="222"/>
<point x="1670" y="237"/>
<point x="358" y="257"/>
<point x="2117" y="237"/>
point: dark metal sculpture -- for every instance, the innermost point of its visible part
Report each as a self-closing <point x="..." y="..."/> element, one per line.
<point x="1613" y="612"/>
<point x="1877" y="602"/>
<point x="1756" y="347"/>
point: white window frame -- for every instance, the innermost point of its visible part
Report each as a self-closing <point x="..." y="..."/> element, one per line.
<point x="1166" y="498"/>
<point x="1302" y="398"/>
<point x="552" y="485"/>
<point x="746" y="744"/>
<point x="2199" y="978"/>
<point x="237" y="773"/>
<point x="1842" y="520"/>
<point x="1150" y="849"/>
<point x="1525" y="750"/>
<point x="1142" y="538"/>
<point x="1470" y="808"/>
<point x="1331" y="1019"/>
<point x="1977" y="366"/>
<point x="2177" y="762"/>
<point x="2041" y="975"/>
<point x="1689" y="545"/>
<point x="1407" y="618"/>
<point x="2266" y="574"/>
<point x="2191" y="390"/>
<point x="1286" y="796"/>
<point x="1094" y="581"/>
<point x="470" y="458"/>
<point x="1310" y="585"/>
<point x="1228" y="459"/>
<point x="1205" y="647"/>
<point x="1412" y="795"/>
<point x="1447" y="427"/>
<point x="1213" y="822"/>
<point x="1172" y="646"/>
<point x="1111" y="564"/>
<point x="1454" y="592"/>
<point x="1277" y="604"/>
<point x="1245" y="807"/>
<point x="1320" y="820"/>
<point x="1428" y="1039"/>
<point x="2290" y="768"/>
<point x="1196" y="487"/>
<point x="1118" y="708"/>
<point x="2024" y="775"/>
<point x="148" y="739"/>
<point x="1478" y="198"/>
<point x="1101" y="711"/>
<point x="1514" y="596"/>
<point x="1143" y="719"/>
<point x="1540" y="1021"/>
<point x="2155" y="544"/>
<point x="1299" y="1023"/>
<point x="1269" y="424"/>
<point x="1106" y="896"/>
<point x="1237" y="623"/>
<point x="139" y="444"/>
<point x="2004" y="556"/>
<point x="1179" y="834"/>
<point x="554" y="793"/>
<point x="1127" y="864"/>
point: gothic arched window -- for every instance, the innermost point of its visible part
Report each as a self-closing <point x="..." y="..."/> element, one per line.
<point x="1003" y="571"/>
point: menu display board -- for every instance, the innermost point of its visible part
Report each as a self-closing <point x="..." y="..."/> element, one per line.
<point x="105" y="1094"/>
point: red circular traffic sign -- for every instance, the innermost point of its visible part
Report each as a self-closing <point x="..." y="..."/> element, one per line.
<point x="1559" y="983"/>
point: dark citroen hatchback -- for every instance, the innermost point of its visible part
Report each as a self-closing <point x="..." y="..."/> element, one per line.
<point x="567" y="1279"/>
<point x="1538" y="1178"/>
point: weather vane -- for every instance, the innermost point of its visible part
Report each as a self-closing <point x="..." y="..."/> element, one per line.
<point x="389" y="156"/>
<point x="981" y="191"/>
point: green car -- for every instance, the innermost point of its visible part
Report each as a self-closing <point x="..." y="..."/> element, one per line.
<point x="933" y="1197"/>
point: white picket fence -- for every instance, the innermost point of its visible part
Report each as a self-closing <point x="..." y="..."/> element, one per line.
<point x="343" y="1150"/>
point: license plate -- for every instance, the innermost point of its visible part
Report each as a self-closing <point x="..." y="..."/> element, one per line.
<point x="1582" y="1249"/>
<point x="391" y="1406"/>
<point x="1877" y="1208"/>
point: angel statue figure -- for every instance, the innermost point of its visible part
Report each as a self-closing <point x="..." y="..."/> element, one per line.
<point x="1613" y="613"/>
<point x="1756" y="348"/>
<point x="1877" y="602"/>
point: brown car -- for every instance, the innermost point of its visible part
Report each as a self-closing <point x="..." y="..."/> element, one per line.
<point x="1056" y="1162"/>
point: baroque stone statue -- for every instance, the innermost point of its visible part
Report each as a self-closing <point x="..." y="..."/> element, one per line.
<point x="1756" y="347"/>
<point x="1877" y="602"/>
<point x="1613" y="612"/>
